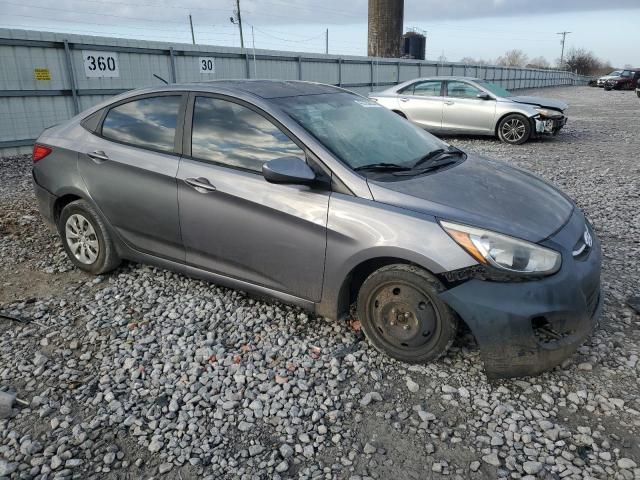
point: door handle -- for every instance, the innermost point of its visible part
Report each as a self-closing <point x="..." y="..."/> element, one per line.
<point x="449" y="102"/>
<point x="404" y="99"/>
<point x="200" y="184"/>
<point x="98" y="156"/>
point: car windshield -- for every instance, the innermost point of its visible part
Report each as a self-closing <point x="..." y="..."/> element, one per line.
<point x="495" y="89"/>
<point x="359" y="131"/>
<point x="615" y="73"/>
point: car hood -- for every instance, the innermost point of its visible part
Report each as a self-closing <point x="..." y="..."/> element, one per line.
<point x="543" y="102"/>
<point x="484" y="193"/>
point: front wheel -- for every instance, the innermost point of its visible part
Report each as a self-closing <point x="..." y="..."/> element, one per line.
<point x="402" y="315"/>
<point x="86" y="238"/>
<point x="514" y="129"/>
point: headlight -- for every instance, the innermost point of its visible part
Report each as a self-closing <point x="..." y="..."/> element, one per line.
<point x="504" y="252"/>
<point x="545" y="112"/>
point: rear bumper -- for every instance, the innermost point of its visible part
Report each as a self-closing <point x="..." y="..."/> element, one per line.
<point x="505" y="317"/>
<point x="46" y="202"/>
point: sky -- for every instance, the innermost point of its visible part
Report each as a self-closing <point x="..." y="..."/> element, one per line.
<point x="455" y="29"/>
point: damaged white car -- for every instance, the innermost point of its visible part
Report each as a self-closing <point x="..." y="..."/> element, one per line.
<point x="463" y="105"/>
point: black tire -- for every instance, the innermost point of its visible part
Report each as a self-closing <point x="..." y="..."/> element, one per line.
<point x="514" y="129"/>
<point x="638" y="93"/>
<point x="608" y="88"/>
<point x="402" y="316"/>
<point x="92" y="239"/>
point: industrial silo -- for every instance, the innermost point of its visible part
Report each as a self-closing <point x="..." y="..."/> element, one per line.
<point x="385" y="28"/>
<point x="414" y="45"/>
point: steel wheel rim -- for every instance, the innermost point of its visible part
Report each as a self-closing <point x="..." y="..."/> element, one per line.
<point x="513" y="130"/>
<point x="82" y="239"/>
<point x="403" y="316"/>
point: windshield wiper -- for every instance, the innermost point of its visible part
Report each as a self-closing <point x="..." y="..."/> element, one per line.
<point x="438" y="153"/>
<point x="381" y="167"/>
<point x="435" y="165"/>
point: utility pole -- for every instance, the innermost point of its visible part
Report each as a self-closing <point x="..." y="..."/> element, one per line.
<point x="193" y="37"/>
<point x="238" y="19"/>
<point x="564" y="35"/>
<point x="253" y="42"/>
<point x="326" y="42"/>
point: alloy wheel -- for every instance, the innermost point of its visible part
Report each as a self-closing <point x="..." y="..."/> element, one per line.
<point x="513" y="130"/>
<point x="82" y="239"/>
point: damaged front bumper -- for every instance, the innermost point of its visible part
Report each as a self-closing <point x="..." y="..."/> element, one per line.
<point x="549" y="126"/>
<point x="524" y="328"/>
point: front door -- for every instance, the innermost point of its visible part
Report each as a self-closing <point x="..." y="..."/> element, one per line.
<point x="464" y="112"/>
<point x="233" y="221"/>
<point x="421" y="102"/>
<point x="130" y="166"/>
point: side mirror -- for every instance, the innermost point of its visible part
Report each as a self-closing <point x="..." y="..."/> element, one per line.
<point x="288" y="170"/>
<point x="484" y="96"/>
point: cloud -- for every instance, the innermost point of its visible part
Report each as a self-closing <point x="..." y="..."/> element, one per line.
<point x="216" y="13"/>
<point x="427" y="10"/>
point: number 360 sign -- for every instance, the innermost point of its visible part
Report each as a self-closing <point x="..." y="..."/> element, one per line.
<point x="100" y="64"/>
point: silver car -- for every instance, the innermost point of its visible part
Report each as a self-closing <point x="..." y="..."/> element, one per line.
<point x="461" y="105"/>
<point x="324" y="199"/>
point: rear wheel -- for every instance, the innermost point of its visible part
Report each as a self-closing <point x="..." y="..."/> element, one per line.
<point x="514" y="129"/>
<point x="86" y="238"/>
<point x="402" y="315"/>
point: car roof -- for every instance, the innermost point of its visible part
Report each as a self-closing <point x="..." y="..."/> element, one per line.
<point x="449" y="77"/>
<point x="261" y="88"/>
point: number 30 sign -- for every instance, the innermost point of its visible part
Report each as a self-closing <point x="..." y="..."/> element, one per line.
<point x="207" y="64"/>
<point x="100" y="64"/>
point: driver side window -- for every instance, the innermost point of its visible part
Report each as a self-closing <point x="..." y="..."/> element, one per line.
<point x="234" y="135"/>
<point x="461" y="90"/>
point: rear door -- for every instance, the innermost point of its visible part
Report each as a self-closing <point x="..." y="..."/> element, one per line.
<point x="422" y="103"/>
<point x="129" y="166"/>
<point x="233" y="221"/>
<point x="464" y="112"/>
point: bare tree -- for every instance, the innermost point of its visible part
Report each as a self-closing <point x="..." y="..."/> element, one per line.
<point x="538" y="62"/>
<point x="582" y="61"/>
<point x="513" y="58"/>
<point x="468" y="61"/>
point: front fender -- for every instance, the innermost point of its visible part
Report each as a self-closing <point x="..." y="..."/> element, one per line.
<point x="360" y="230"/>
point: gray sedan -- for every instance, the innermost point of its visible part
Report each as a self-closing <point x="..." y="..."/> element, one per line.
<point x="322" y="198"/>
<point x="461" y="105"/>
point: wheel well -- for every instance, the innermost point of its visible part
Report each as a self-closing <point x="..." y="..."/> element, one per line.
<point x="513" y="113"/>
<point x="399" y="113"/>
<point x="62" y="202"/>
<point x="352" y="283"/>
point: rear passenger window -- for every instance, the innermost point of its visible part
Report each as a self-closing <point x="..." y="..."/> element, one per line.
<point x="227" y="133"/>
<point x="148" y="122"/>
<point x="427" y="89"/>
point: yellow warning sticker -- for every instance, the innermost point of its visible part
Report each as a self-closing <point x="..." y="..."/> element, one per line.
<point x="41" y="74"/>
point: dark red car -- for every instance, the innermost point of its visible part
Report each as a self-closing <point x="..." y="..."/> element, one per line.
<point x="627" y="80"/>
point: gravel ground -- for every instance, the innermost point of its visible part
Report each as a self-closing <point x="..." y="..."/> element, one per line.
<point x="144" y="372"/>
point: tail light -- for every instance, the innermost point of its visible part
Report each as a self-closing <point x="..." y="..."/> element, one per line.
<point x="39" y="152"/>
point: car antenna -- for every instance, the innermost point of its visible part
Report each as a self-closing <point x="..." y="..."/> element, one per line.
<point x="161" y="79"/>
